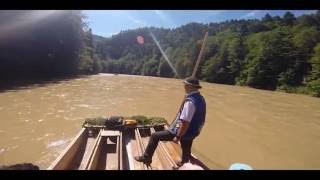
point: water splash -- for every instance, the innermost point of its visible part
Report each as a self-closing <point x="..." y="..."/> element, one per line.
<point x="164" y="54"/>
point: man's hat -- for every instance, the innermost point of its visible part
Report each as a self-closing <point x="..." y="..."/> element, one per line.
<point x="193" y="82"/>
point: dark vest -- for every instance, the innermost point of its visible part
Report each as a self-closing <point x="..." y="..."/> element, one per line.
<point x="198" y="118"/>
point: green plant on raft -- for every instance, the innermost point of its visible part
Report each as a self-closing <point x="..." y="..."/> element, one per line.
<point x="141" y="120"/>
<point x="98" y="121"/>
<point x="158" y="120"/>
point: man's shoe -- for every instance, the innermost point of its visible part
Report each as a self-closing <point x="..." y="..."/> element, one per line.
<point x="143" y="159"/>
<point x="180" y="163"/>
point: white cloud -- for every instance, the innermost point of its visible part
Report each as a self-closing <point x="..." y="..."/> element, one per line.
<point x="310" y="11"/>
<point x="135" y="20"/>
<point x="251" y="14"/>
<point x="165" y="18"/>
<point x="214" y="12"/>
<point x="161" y="14"/>
<point x="128" y="15"/>
<point x="211" y="14"/>
<point x="113" y="33"/>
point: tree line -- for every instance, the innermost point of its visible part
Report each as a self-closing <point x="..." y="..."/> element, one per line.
<point x="275" y="53"/>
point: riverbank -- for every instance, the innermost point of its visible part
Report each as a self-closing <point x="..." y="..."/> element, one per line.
<point x="26" y="83"/>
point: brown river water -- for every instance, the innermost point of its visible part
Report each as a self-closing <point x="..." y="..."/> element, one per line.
<point x="265" y="129"/>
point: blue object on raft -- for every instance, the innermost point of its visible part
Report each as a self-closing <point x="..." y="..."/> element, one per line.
<point x="240" y="166"/>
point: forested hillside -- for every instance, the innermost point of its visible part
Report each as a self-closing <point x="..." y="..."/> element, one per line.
<point x="274" y="53"/>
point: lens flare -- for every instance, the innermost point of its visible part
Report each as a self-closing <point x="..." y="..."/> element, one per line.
<point x="140" y="40"/>
<point x="164" y="54"/>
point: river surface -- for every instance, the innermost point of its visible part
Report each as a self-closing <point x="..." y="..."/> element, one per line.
<point x="265" y="129"/>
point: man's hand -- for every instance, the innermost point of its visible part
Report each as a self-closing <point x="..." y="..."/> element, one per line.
<point x="181" y="131"/>
<point x="176" y="140"/>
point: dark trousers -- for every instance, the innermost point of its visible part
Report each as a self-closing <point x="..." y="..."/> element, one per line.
<point x="168" y="136"/>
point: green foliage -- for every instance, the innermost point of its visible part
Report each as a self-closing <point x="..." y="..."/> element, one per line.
<point x="98" y="121"/>
<point x="288" y="19"/>
<point x="272" y="53"/>
<point x="314" y="87"/>
<point x="315" y="63"/>
<point x="143" y="120"/>
<point x="150" y="68"/>
<point x="86" y="64"/>
<point x="272" y="60"/>
<point x="306" y="38"/>
<point x="226" y="64"/>
<point x="165" y="70"/>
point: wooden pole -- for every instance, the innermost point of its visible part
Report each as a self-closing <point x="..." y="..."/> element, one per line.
<point x="200" y="55"/>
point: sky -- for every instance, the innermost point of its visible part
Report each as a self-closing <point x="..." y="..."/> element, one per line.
<point x="110" y="22"/>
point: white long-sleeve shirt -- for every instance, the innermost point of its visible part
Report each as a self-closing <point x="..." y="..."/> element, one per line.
<point x="187" y="111"/>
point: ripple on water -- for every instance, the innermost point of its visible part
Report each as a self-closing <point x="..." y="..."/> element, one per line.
<point x="16" y="138"/>
<point x="56" y="143"/>
<point x="83" y="105"/>
<point x="2" y="150"/>
<point x="74" y="119"/>
<point x="61" y="95"/>
<point x="8" y="149"/>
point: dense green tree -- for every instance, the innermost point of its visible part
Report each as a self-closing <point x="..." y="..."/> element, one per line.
<point x="270" y="54"/>
<point x="315" y="62"/>
<point x="150" y="68"/>
<point x="165" y="70"/>
<point x="314" y="79"/>
<point x="288" y="18"/>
